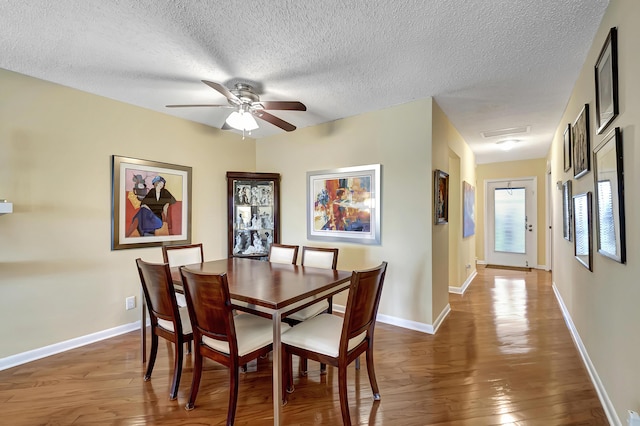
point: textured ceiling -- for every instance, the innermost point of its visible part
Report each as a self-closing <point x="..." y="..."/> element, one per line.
<point x="490" y="64"/>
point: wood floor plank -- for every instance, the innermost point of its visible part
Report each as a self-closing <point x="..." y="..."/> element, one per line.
<point x="503" y="356"/>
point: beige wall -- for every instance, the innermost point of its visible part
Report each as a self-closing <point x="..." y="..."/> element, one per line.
<point x="58" y="277"/>
<point x="451" y="252"/>
<point x="399" y="139"/>
<point x="511" y="170"/>
<point x="604" y="304"/>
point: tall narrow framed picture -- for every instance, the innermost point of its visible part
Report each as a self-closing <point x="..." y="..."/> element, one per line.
<point x="581" y="144"/>
<point x="344" y="204"/>
<point x="582" y="244"/>
<point x="606" y="71"/>
<point x="468" y="209"/>
<point x="150" y="203"/>
<point x="567" y="148"/>
<point x="609" y="195"/>
<point x="567" y="216"/>
<point x="441" y="197"/>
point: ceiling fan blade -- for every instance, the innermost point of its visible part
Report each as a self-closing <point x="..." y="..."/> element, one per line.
<point x="275" y="120"/>
<point x="182" y="106"/>
<point x="283" y="105"/>
<point x="223" y="90"/>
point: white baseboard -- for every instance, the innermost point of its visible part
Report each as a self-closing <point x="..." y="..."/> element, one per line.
<point x="408" y="324"/>
<point x="461" y="290"/>
<point x="609" y="410"/>
<point x="35" y="354"/>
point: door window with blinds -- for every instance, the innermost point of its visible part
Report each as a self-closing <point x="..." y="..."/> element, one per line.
<point x="510" y="219"/>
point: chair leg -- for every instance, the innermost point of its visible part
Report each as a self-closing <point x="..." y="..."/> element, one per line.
<point x="342" y="387"/>
<point x="304" y="366"/>
<point x="323" y="368"/>
<point x="372" y="374"/>
<point x="287" y="379"/>
<point x="188" y="346"/>
<point x="234" y="379"/>
<point x="177" y="370"/>
<point x="195" y="382"/>
<point x="358" y="363"/>
<point x="152" y="355"/>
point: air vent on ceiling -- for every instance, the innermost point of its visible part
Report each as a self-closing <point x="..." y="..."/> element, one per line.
<point x="504" y="132"/>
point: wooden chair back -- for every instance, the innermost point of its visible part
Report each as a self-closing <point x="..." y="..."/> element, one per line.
<point x="362" y="303"/>
<point x="159" y="294"/>
<point x="319" y="257"/>
<point x="180" y="255"/>
<point x="209" y="305"/>
<point x="282" y="253"/>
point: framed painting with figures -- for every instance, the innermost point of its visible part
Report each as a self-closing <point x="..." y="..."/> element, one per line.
<point x="150" y="203"/>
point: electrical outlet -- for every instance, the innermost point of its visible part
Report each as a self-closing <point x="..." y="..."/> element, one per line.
<point x="633" y="419"/>
<point x="130" y="302"/>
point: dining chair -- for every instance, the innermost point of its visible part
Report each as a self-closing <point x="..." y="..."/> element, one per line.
<point x="316" y="257"/>
<point x="318" y="338"/>
<point x="180" y="255"/>
<point x="167" y="319"/>
<point x="282" y="253"/>
<point x="231" y="340"/>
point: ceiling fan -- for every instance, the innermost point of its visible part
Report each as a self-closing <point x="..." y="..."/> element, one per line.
<point x="247" y="105"/>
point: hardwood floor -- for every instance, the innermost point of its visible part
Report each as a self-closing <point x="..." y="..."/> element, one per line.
<point x="503" y="356"/>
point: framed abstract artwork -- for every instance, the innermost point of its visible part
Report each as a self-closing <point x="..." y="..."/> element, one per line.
<point x="609" y="196"/>
<point x="606" y="70"/>
<point x="580" y="144"/>
<point x="344" y="204"/>
<point x="441" y="197"/>
<point x="468" y="209"/>
<point x="150" y="203"/>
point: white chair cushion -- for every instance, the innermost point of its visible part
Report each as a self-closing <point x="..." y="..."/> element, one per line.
<point x="182" y="301"/>
<point x="185" y="256"/>
<point x="252" y="332"/>
<point x="310" y="311"/>
<point x="184" y="317"/>
<point x="320" y="334"/>
<point x="318" y="259"/>
<point x="281" y="255"/>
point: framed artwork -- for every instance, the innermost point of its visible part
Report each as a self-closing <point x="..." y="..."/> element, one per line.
<point x="150" y="203"/>
<point x="441" y="197"/>
<point x="582" y="244"/>
<point x="468" y="209"/>
<point x="606" y="70"/>
<point x="344" y="204"/>
<point x="581" y="146"/>
<point x="567" y="148"/>
<point x="567" y="216"/>
<point x="609" y="195"/>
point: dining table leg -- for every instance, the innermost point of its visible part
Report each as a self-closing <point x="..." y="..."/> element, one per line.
<point x="277" y="368"/>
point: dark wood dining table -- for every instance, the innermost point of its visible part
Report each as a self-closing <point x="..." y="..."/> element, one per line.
<point x="274" y="290"/>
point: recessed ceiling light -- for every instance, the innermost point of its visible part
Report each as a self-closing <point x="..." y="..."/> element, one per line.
<point x="507" y="144"/>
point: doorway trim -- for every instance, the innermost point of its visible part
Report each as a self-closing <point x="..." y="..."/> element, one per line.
<point x="487" y="183"/>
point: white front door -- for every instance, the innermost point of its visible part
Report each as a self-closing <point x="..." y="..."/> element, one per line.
<point x="511" y="218"/>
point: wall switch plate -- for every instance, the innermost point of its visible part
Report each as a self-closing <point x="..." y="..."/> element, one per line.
<point x="130" y="302"/>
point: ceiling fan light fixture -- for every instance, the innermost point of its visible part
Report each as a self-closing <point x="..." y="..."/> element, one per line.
<point x="242" y="120"/>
